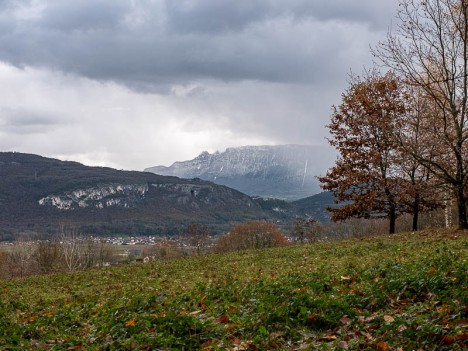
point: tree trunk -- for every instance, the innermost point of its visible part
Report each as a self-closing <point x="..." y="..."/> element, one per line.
<point x="461" y="204"/>
<point x="416" y="204"/>
<point x="393" y="216"/>
<point x="391" y="211"/>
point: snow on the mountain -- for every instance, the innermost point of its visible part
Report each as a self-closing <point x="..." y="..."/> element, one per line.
<point x="285" y="171"/>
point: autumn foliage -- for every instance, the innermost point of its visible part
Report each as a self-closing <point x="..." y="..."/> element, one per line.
<point x="429" y="51"/>
<point x="369" y="176"/>
<point x="251" y="235"/>
<point x="402" y="137"/>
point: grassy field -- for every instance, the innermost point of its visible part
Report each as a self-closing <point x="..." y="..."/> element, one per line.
<point x="402" y="292"/>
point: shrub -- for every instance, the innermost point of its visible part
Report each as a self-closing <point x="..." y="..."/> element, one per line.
<point x="251" y="235"/>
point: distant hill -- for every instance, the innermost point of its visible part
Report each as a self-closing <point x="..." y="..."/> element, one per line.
<point x="315" y="206"/>
<point x="39" y="194"/>
<point x="310" y="207"/>
<point x="283" y="171"/>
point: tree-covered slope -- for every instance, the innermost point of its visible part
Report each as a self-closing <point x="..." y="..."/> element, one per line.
<point x="38" y="194"/>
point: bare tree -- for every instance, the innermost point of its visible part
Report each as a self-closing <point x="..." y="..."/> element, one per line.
<point x="72" y="248"/>
<point x="198" y="235"/>
<point x="423" y="190"/>
<point x="4" y="265"/>
<point x="306" y="230"/>
<point x="48" y="256"/>
<point x="299" y="230"/>
<point x="21" y="258"/>
<point x="102" y="253"/>
<point x="429" y="49"/>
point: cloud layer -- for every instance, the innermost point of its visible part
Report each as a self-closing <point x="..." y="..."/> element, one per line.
<point x="142" y="82"/>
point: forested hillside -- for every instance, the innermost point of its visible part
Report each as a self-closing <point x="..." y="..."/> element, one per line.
<point x="38" y="194"/>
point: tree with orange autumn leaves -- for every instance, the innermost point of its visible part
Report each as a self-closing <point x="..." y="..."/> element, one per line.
<point x="251" y="235"/>
<point x="372" y="177"/>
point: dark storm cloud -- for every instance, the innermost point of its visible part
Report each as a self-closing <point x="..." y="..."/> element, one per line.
<point x="158" y="43"/>
<point x="215" y="16"/>
<point x="84" y="15"/>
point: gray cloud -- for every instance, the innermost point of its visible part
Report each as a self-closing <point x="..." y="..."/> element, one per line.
<point x="153" y="43"/>
<point x="23" y="121"/>
<point x="83" y="16"/>
<point x="135" y="83"/>
<point x="215" y="16"/>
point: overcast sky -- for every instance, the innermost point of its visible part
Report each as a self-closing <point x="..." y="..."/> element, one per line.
<point x="137" y="83"/>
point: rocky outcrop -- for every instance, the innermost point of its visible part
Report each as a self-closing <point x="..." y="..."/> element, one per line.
<point x="38" y="194"/>
<point x="281" y="171"/>
<point x="102" y="196"/>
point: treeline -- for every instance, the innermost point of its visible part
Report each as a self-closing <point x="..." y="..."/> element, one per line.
<point x="402" y="136"/>
<point x="70" y="251"/>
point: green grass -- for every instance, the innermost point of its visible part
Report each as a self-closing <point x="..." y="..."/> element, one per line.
<point x="402" y="292"/>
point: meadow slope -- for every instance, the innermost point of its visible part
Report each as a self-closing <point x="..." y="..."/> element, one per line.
<point x="401" y="292"/>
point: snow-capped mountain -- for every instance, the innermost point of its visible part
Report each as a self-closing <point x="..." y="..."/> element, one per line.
<point x="282" y="171"/>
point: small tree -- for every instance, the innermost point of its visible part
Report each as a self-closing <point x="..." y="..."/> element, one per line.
<point x="298" y="232"/>
<point x="48" y="256"/>
<point x="4" y="264"/>
<point x="94" y="252"/>
<point x="168" y="249"/>
<point x="21" y="260"/>
<point x="305" y="230"/>
<point x="72" y="248"/>
<point x="198" y="236"/>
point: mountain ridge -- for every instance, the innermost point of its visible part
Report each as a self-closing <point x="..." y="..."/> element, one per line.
<point x="39" y="194"/>
<point x="280" y="171"/>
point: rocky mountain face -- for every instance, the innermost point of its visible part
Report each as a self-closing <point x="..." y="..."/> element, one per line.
<point x="39" y="194"/>
<point x="282" y="171"/>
